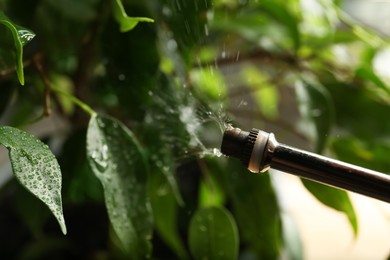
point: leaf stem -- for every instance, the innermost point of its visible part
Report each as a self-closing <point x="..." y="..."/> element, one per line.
<point x="76" y="101"/>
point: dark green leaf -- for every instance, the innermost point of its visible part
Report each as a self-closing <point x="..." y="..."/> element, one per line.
<point x="7" y="90"/>
<point x="213" y="234"/>
<point x="252" y="26"/>
<point x="188" y="22"/>
<point x="126" y="23"/>
<point x="164" y="207"/>
<point x="360" y="111"/>
<point x="13" y="37"/>
<point x="371" y="155"/>
<point x="36" y="168"/>
<point x="33" y="212"/>
<point x="334" y="198"/>
<point x="255" y="207"/>
<point x="163" y="162"/>
<point x="316" y="107"/>
<point x="118" y="162"/>
<point x="79" y="183"/>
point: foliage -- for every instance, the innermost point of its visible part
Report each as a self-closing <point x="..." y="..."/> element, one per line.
<point x="142" y="103"/>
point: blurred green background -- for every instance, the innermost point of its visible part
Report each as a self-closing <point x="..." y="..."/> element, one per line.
<point x="313" y="72"/>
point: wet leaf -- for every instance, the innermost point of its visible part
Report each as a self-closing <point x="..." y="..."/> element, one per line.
<point x="13" y="37"/>
<point x="126" y="23"/>
<point x="213" y="234"/>
<point x="334" y="198"/>
<point x="36" y="168"/>
<point x="118" y="162"/>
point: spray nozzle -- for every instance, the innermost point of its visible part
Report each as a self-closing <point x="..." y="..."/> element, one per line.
<point x="259" y="151"/>
<point x="249" y="147"/>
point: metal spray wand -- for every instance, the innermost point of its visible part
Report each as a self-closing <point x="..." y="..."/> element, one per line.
<point x="260" y="151"/>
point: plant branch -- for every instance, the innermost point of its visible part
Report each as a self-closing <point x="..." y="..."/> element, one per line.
<point x="87" y="55"/>
<point x="259" y="54"/>
<point x="11" y="70"/>
<point x="38" y="64"/>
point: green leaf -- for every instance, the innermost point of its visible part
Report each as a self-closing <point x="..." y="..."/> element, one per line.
<point x="165" y="207"/>
<point x="255" y="27"/>
<point x="361" y="111"/>
<point x="366" y="73"/>
<point x="126" y="23"/>
<point x="265" y="93"/>
<point x="316" y="107"/>
<point x="161" y="158"/>
<point x="118" y="162"/>
<point x="372" y="155"/>
<point x="281" y="14"/>
<point x="334" y="198"/>
<point x="209" y="82"/>
<point x="255" y="207"/>
<point x="213" y="234"/>
<point x="36" y="168"/>
<point x="7" y="91"/>
<point x="210" y="194"/>
<point x="13" y="37"/>
<point x="32" y="211"/>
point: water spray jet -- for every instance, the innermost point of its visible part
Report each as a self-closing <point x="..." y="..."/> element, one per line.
<point x="259" y="151"/>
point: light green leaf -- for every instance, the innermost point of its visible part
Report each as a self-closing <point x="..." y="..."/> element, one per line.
<point x="126" y="23"/>
<point x="13" y="37"/>
<point x="213" y="234"/>
<point x="282" y="14"/>
<point x="265" y="93"/>
<point x="209" y="82"/>
<point x="118" y="162"/>
<point x="334" y="198"/>
<point x="210" y="194"/>
<point x="366" y="73"/>
<point x="36" y="168"/>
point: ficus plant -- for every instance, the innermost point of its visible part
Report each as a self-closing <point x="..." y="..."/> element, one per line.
<point x="138" y="94"/>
